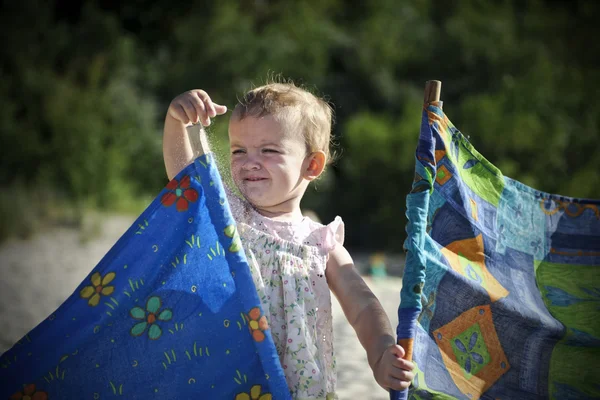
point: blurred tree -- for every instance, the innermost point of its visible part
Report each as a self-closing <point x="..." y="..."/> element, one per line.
<point x="74" y="115"/>
<point x="84" y="87"/>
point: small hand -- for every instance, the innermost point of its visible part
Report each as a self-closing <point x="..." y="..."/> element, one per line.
<point x="391" y="371"/>
<point x="195" y="106"/>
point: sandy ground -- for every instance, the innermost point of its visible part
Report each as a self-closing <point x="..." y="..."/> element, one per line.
<point x="37" y="275"/>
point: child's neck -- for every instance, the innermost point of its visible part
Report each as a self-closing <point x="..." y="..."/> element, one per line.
<point x="280" y="215"/>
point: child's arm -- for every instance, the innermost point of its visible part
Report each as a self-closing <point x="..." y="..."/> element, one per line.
<point x="369" y="320"/>
<point x="186" y="109"/>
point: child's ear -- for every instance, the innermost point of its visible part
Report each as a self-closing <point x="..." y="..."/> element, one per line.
<point x="315" y="164"/>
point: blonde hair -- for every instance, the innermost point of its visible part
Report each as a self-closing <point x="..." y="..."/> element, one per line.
<point x="296" y="107"/>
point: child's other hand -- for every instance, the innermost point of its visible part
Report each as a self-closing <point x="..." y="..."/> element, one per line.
<point x="194" y="106"/>
<point x="392" y="371"/>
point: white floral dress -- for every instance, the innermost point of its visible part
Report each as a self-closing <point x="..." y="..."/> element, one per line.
<point x="288" y="261"/>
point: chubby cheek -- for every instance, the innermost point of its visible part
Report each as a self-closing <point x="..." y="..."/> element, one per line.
<point x="276" y="166"/>
<point x="235" y="174"/>
<point x="235" y="168"/>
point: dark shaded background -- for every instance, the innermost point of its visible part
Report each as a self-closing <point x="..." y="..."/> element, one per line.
<point x="84" y="86"/>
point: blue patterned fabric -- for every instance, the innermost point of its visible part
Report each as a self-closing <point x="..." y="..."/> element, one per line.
<point x="501" y="293"/>
<point x="170" y="312"/>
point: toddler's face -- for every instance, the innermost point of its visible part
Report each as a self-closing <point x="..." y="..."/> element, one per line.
<point x="267" y="161"/>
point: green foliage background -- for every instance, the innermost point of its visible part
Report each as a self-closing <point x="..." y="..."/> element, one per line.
<point x="84" y="87"/>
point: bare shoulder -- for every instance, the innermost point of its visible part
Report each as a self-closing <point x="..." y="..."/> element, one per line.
<point x="339" y="257"/>
<point x="341" y="273"/>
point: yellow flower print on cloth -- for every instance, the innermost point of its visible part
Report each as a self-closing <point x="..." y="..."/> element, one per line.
<point x="255" y="394"/>
<point x="99" y="287"/>
<point x="257" y="324"/>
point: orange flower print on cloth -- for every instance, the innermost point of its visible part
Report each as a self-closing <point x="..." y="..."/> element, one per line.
<point x="29" y="393"/>
<point x="255" y="394"/>
<point x="180" y="194"/>
<point x="149" y="318"/>
<point x="258" y="324"/>
<point x="99" y="287"/>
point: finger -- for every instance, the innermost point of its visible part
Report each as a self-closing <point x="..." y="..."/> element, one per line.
<point x="190" y="110"/>
<point x="398" y="351"/>
<point x="213" y="109"/>
<point x="219" y="109"/>
<point x="200" y="108"/>
<point x="208" y="104"/>
<point x="200" y="101"/>
<point x="180" y="113"/>
<point x="402" y="374"/>
<point x="398" y="383"/>
<point x="403" y="364"/>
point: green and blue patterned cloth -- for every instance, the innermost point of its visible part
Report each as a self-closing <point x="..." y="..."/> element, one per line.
<point x="170" y="312"/>
<point x="501" y="292"/>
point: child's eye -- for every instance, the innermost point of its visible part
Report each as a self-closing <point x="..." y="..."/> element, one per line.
<point x="237" y="151"/>
<point x="270" y="151"/>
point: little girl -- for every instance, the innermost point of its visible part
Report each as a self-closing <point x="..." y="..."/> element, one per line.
<point x="279" y="139"/>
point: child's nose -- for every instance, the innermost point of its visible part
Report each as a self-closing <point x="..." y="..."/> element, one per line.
<point x="251" y="164"/>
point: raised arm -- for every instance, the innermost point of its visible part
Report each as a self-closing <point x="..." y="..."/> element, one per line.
<point x="182" y="140"/>
<point x="369" y="320"/>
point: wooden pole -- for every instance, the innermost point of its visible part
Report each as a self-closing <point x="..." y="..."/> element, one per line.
<point x="433" y="90"/>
